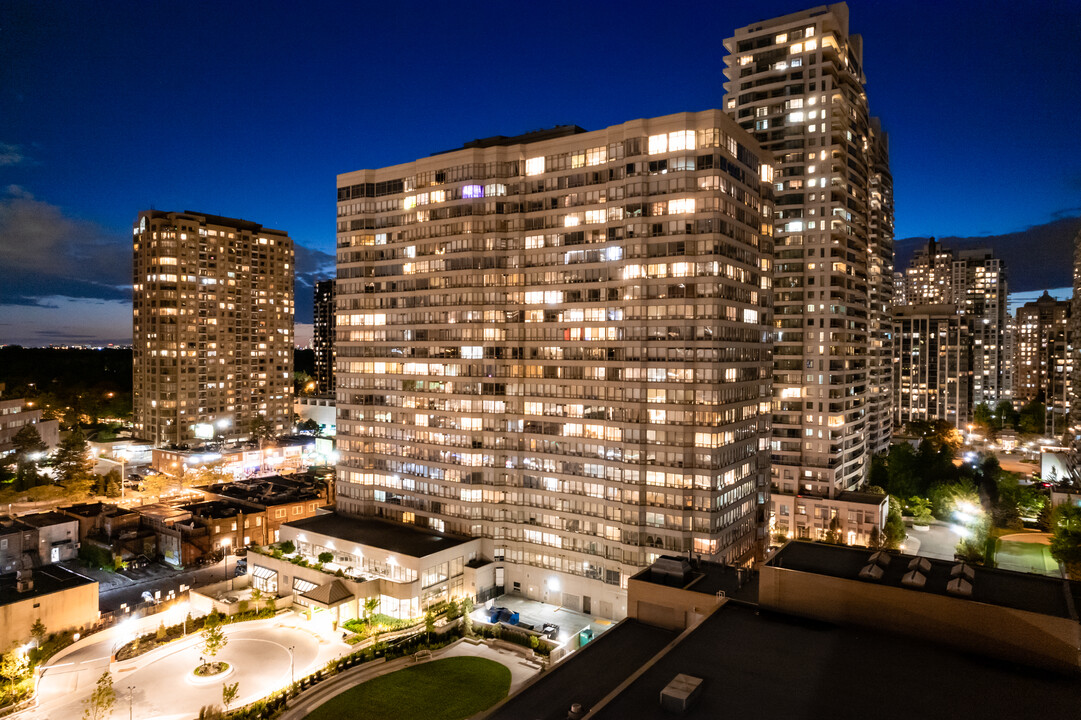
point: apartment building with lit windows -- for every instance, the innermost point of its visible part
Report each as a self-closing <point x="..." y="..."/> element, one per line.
<point x="934" y="364"/>
<point x="560" y="343"/>
<point x="974" y="281"/>
<point x="323" y="336"/>
<point x="1044" y="362"/>
<point x="212" y="329"/>
<point x="796" y="82"/>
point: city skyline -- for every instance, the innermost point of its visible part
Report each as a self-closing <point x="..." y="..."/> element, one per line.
<point x="70" y="189"/>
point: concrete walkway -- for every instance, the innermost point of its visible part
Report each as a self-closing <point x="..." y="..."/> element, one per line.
<point x="514" y="659"/>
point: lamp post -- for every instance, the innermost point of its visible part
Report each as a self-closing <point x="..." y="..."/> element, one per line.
<point x="226" y="542"/>
<point x="291" y="680"/>
<point x="131" y="694"/>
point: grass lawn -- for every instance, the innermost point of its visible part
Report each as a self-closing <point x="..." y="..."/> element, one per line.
<point x="449" y="689"/>
<point x="1025" y="557"/>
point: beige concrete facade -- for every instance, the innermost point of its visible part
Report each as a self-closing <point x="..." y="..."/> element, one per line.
<point x="796" y="82"/>
<point x="212" y="331"/>
<point x="560" y="343"/>
<point x="70" y="606"/>
<point x="1009" y="633"/>
<point x="15" y="414"/>
<point x="809" y="516"/>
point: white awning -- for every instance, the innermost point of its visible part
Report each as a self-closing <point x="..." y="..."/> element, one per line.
<point x="262" y="572"/>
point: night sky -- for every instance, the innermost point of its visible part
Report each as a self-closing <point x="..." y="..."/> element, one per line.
<point x="250" y="110"/>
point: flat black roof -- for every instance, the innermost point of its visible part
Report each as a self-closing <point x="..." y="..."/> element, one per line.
<point x="395" y="537"/>
<point x="1021" y="591"/>
<point x="588" y="675"/>
<point x="523" y="139"/>
<point x="46" y="519"/>
<point x="709" y="578"/>
<point x="49" y="579"/>
<point x="764" y="665"/>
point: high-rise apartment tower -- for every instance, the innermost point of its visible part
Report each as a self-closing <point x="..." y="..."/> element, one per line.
<point x="974" y="281"/>
<point x="323" y="336"/>
<point x="212" y="330"/>
<point x="797" y="83"/>
<point x="559" y="342"/>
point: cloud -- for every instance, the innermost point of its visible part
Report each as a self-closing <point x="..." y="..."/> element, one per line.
<point x="45" y="253"/>
<point x="312" y="266"/>
<point x="11" y="155"/>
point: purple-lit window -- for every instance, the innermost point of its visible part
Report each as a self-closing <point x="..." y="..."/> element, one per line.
<point x="472" y="191"/>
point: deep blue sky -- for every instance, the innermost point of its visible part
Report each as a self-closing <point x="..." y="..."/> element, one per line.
<point x="250" y="110"/>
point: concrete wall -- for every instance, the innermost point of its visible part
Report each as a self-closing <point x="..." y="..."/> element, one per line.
<point x="63" y="610"/>
<point x="1015" y="635"/>
<point x="668" y="607"/>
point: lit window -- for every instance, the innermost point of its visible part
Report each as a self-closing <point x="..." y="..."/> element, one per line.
<point x="796" y="48"/>
<point x="782" y="38"/>
<point x="681" y="140"/>
<point x="534" y="166"/>
<point x="658" y="144"/>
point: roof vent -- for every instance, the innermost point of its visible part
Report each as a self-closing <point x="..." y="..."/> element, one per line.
<point x="680" y="694"/>
<point x="24" y="580"/>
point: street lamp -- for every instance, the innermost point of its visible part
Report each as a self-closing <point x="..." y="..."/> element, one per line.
<point x="291" y="680"/>
<point x="226" y="542"/>
<point x="131" y="694"/>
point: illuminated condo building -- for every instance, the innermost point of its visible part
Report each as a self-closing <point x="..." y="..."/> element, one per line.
<point x="974" y="282"/>
<point x="559" y="343"/>
<point x="323" y="336"/>
<point x="212" y="331"/>
<point x="796" y="82"/>
<point x="1044" y="361"/>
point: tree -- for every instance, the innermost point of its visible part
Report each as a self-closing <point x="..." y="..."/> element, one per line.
<point x="894" y="532"/>
<point x="1033" y="418"/>
<point x="214" y="637"/>
<point x="370" y="606"/>
<point x="112" y="483"/>
<point x="833" y="534"/>
<point x="154" y="485"/>
<point x="261" y="429"/>
<point x="162" y="632"/>
<point x="38" y="632"/>
<point x="28" y="450"/>
<point x="288" y="547"/>
<point x="72" y="461"/>
<point x="228" y="694"/>
<point x="921" y="510"/>
<point x="429" y="624"/>
<point x="14" y="666"/>
<point x="984" y="416"/>
<point x="325" y="557"/>
<point x="1065" y="535"/>
<point x="1005" y="415"/>
<point x="467" y="620"/>
<point x="877" y="539"/>
<point x="100" y="703"/>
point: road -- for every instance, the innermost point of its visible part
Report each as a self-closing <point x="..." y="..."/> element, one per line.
<point x="938" y="541"/>
<point x="164" y="686"/>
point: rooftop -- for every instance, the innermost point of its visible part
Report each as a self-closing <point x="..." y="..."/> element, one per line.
<point x="530" y="137"/>
<point x="49" y="579"/>
<point x="395" y="537"/>
<point x="607" y="661"/>
<point x="1020" y="591"/>
<point x="760" y="664"/>
<point x="708" y="578"/>
<point x="46" y="519"/>
<point x="272" y="490"/>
